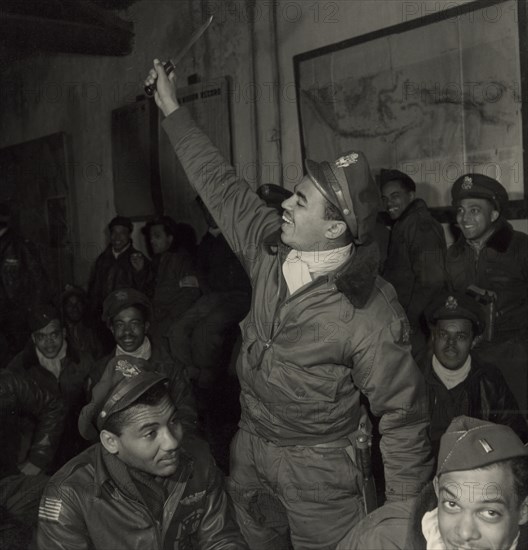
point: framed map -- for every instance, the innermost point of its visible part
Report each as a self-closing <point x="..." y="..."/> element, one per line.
<point x="435" y="97"/>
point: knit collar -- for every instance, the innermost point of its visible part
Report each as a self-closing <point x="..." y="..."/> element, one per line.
<point x="449" y="377"/>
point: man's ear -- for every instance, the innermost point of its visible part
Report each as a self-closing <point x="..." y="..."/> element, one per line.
<point x="523" y="518"/>
<point x="109" y="441"/>
<point x="435" y="485"/>
<point x="494" y="215"/>
<point x="147" y="326"/>
<point x="412" y="195"/>
<point x="335" y="229"/>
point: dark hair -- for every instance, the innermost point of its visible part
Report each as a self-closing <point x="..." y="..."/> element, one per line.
<point x="331" y="212"/>
<point x="395" y="175"/>
<point x="183" y="235"/>
<point x="153" y="396"/>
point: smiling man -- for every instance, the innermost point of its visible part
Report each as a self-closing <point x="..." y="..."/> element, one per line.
<point x="493" y="257"/>
<point x="477" y="501"/>
<point x="322" y="327"/>
<point x="415" y="263"/>
<point x="127" y="313"/>
<point x="143" y="486"/>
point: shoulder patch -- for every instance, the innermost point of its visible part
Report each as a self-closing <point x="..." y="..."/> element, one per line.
<point x="189" y="281"/>
<point x="50" y="509"/>
<point x="401" y="331"/>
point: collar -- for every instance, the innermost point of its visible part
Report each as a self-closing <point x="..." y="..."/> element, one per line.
<point x="143" y="352"/>
<point x="451" y="378"/>
<point x="499" y="241"/>
<point x="117" y="254"/>
<point x="412" y="207"/>
<point x="355" y="278"/>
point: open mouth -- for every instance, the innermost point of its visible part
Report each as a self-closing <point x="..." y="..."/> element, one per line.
<point x="287" y="219"/>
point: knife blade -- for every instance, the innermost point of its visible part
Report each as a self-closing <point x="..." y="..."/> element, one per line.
<point x="169" y="65"/>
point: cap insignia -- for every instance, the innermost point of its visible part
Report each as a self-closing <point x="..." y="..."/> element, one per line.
<point x="486" y="446"/>
<point x="451" y="303"/>
<point x="127" y="369"/>
<point x="121" y="295"/>
<point x="347" y="160"/>
<point x="467" y="184"/>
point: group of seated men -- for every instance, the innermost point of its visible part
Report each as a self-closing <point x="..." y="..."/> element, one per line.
<point x="324" y="331"/>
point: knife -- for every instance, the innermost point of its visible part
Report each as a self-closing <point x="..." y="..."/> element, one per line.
<point x="171" y="63"/>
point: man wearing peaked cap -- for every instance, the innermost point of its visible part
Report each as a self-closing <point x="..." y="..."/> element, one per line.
<point x="478" y="499"/>
<point x="458" y="383"/>
<point x="322" y="327"/>
<point x="490" y="259"/>
<point x="143" y="485"/>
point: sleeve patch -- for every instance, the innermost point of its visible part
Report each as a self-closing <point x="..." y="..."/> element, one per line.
<point x="189" y="281"/>
<point x="50" y="509"/>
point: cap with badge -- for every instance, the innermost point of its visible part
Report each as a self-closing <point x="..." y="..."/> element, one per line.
<point x="455" y="305"/>
<point x="124" y="380"/>
<point x="348" y="184"/>
<point x="122" y="221"/>
<point x="41" y="316"/>
<point x="123" y="298"/>
<point x="479" y="186"/>
<point x="470" y="443"/>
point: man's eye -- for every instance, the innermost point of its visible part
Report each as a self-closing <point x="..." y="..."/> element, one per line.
<point x="474" y="211"/>
<point x="150" y="435"/>
<point x="491" y="514"/>
<point x="450" y="505"/>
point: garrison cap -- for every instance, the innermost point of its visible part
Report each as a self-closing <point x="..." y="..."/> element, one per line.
<point x="348" y="184"/>
<point x="41" y="316"/>
<point x="123" y="382"/>
<point x="455" y="305"/>
<point x="120" y="299"/>
<point x="470" y="443"/>
<point x="481" y="187"/>
<point x="121" y="220"/>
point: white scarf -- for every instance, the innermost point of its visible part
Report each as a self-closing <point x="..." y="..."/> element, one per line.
<point x="451" y="378"/>
<point x="143" y="352"/>
<point x="432" y="535"/>
<point x="301" y="266"/>
<point x="53" y="365"/>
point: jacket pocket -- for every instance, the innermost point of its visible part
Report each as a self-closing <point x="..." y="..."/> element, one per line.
<point x="301" y="385"/>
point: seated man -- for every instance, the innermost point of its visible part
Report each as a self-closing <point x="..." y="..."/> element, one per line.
<point x="143" y="486"/>
<point x="127" y="313"/>
<point x="61" y="370"/>
<point x="478" y="499"/>
<point x="24" y="459"/>
<point x="457" y="383"/>
<point x="415" y="263"/>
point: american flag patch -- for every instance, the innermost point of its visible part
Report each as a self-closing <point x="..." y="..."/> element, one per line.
<point x="50" y="509"/>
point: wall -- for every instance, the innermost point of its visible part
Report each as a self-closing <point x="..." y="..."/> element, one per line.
<point x="252" y="41"/>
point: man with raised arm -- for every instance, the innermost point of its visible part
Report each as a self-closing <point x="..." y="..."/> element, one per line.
<point x="322" y="328"/>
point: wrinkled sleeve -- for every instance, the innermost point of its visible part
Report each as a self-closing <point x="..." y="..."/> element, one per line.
<point x="386" y="373"/>
<point x="48" y="411"/>
<point x="242" y="216"/>
<point x="61" y="524"/>
<point x="218" y="528"/>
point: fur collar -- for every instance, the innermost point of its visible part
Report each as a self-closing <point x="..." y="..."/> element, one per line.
<point x="499" y="241"/>
<point x="355" y="279"/>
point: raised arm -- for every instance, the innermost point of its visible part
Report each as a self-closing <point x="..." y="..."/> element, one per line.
<point x="242" y="216"/>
